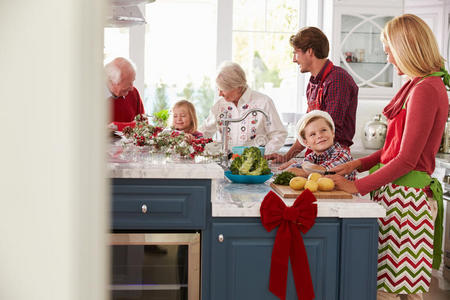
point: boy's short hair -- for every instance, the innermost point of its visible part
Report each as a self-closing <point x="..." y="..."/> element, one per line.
<point x="310" y="117"/>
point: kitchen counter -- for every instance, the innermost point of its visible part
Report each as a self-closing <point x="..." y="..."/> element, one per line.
<point x="238" y="200"/>
<point x="244" y="200"/>
<point x="185" y="169"/>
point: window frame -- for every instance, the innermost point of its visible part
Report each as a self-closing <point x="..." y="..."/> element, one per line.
<point x="224" y="40"/>
<point x="225" y="37"/>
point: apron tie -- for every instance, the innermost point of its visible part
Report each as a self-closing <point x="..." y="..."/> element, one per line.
<point x="445" y="77"/>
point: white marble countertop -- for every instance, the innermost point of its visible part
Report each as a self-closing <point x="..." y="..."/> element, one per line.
<point x="228" y="199"/>
<point x="178" y="170"/>
<point x="244" y="200"/>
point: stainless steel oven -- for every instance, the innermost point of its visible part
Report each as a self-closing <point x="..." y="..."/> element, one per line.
<point x="155" y="266"/>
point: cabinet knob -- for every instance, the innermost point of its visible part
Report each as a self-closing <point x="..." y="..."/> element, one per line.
<point x="144" y="208"/>
<point x="220" y="238"/>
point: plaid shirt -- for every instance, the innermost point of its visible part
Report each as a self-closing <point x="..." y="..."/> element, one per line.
<point x="332" y="157"/>
<point x="340" y="98"/>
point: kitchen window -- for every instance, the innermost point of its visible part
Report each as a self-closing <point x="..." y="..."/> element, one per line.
<point x="186" y="40"/>
<point x="256" y="35"/>
<point x="116" y="43"/>
<point x="260" y="44"/>
<point x="180" y="54"/>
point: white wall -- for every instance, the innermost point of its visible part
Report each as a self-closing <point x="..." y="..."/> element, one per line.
<point x="53" y="203"/>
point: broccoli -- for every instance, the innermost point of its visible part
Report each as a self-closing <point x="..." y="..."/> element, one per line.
<point x="235" y="165"/>
<point x="246" y="165"/>
<point x="283" y="178"/>
<point x="261" y="168"/>
<point x="250" y="163"/>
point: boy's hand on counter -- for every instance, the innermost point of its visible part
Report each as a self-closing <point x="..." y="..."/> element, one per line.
<point x="343" y="184"/>
<point x="346" y="168"/>
<point x="298" y="172"/>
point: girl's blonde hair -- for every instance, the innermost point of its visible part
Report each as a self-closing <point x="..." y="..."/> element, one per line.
<point x="413" y="45"/>
<point x="192" y="114"/>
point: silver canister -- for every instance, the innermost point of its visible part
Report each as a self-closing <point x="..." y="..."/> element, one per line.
<point x="374" y="133"/>
<point x="445" y="144"/>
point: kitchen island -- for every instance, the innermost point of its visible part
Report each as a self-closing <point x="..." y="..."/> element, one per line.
<point x="235" y="248"/>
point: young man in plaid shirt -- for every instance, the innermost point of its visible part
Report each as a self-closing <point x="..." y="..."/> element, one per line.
<point x="330" y="88"/>
<point x="316" y="132"/>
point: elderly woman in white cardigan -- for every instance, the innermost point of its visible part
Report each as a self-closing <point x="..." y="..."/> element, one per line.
<point x="235" y="100"/>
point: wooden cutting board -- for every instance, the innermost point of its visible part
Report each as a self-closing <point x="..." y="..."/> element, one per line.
<point x="286" y="192"/>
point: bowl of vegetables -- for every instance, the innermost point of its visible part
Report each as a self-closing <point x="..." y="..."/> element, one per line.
<point x="250" y="167"/>
<point x="240" y="149"/>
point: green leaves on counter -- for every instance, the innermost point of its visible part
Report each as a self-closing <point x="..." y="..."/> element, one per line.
<point x="283" y="178"/>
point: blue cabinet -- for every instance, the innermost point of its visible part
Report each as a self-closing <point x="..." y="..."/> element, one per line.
<point x="358" y="261"/>
<point x="236" y="252"/>
<point x="241" y="251"/>
<point x="159" y="204"/>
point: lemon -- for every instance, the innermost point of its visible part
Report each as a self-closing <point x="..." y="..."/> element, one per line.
<point x="311" y="185"/>
<point x="314" y="176"/>
<point x="325" y="184"/>
<point x="297" y="183"/>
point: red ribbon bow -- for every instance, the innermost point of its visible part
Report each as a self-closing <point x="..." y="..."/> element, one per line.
<point x="289" y="242"/>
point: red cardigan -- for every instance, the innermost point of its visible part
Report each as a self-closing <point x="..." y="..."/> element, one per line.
<point x="426" y="115"/>
<point x="124" y="109"/>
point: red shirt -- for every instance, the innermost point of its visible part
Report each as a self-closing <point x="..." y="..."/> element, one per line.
<point x="124" y="109"/>
<point x="426" y="115"/>
<point x="340" y="99"/>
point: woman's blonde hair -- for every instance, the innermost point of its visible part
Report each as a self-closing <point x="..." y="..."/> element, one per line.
<point x="192" y="114"/>
<point x="230" y="76"/>
<point x="413" y="45"/>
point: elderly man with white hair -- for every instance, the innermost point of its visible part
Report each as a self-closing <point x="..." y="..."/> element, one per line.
<point x="124" y="98"/>
<point x="235" y="100"/>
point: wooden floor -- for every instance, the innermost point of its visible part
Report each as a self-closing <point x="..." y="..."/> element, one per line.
<point x="439" y="290"/>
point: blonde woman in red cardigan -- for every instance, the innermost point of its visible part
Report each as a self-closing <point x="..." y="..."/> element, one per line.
<point x="400" y="172"/>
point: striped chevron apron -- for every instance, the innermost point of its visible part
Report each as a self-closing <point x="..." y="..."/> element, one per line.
<point x="405" y="240"/>
<point x="406" y="234"/>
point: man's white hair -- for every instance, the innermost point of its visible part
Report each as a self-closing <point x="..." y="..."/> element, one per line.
<point x="117" y="67"/>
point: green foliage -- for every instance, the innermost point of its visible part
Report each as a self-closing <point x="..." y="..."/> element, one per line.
<point x="161" y="102"/>
<point x="283" y="178"/>
<point x="161" y="117"/>
<point x="250" y="163"/>
<point x="263" y="74"/>
<point x="203" y="97"/>
<point x="187" y="91"/>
